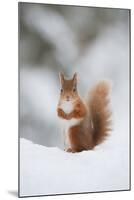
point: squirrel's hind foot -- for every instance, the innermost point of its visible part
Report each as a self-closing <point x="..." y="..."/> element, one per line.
<point x="69" y="150"/>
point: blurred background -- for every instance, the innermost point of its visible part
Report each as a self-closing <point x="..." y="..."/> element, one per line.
<point x="94" y="42"/>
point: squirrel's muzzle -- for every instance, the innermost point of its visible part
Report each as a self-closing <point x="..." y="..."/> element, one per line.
<point x="67" y="98"/>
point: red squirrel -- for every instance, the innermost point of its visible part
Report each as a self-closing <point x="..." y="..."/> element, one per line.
<point x="86" y="122"/>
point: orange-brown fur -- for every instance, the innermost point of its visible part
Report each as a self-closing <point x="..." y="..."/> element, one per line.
<point x="94" y="114"/>
<point x="99" y="110"/>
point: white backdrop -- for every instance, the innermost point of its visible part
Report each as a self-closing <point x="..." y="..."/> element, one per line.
<point x="8" y="106"/>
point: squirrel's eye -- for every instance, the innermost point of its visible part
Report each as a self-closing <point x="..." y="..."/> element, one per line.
<point x="74" y="89"/>
<point x="61" y="90"/>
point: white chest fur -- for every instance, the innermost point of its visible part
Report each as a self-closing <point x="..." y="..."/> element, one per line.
<point x="66" y="106"/>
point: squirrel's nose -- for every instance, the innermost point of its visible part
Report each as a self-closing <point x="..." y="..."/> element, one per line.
<point x="68" y="98"/>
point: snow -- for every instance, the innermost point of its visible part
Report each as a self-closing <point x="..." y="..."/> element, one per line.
<point x="49" y="170"/>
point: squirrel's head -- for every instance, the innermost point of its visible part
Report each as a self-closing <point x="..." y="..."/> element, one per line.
<point x="68" y="91"/>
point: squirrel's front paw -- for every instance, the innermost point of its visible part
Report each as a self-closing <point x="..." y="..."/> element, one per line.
<point x="61" y="113"/>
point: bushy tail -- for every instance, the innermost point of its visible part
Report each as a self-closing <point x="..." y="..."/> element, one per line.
<point x="99" y="111"/>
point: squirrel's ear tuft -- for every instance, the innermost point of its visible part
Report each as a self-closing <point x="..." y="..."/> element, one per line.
<point x="61" y="76"/>
<point x="75" y="78"/>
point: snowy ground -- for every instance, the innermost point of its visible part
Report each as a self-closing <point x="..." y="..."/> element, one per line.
<point x="49" y="170"/>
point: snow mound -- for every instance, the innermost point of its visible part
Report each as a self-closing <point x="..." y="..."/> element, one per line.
<point x="49" y="170"/>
